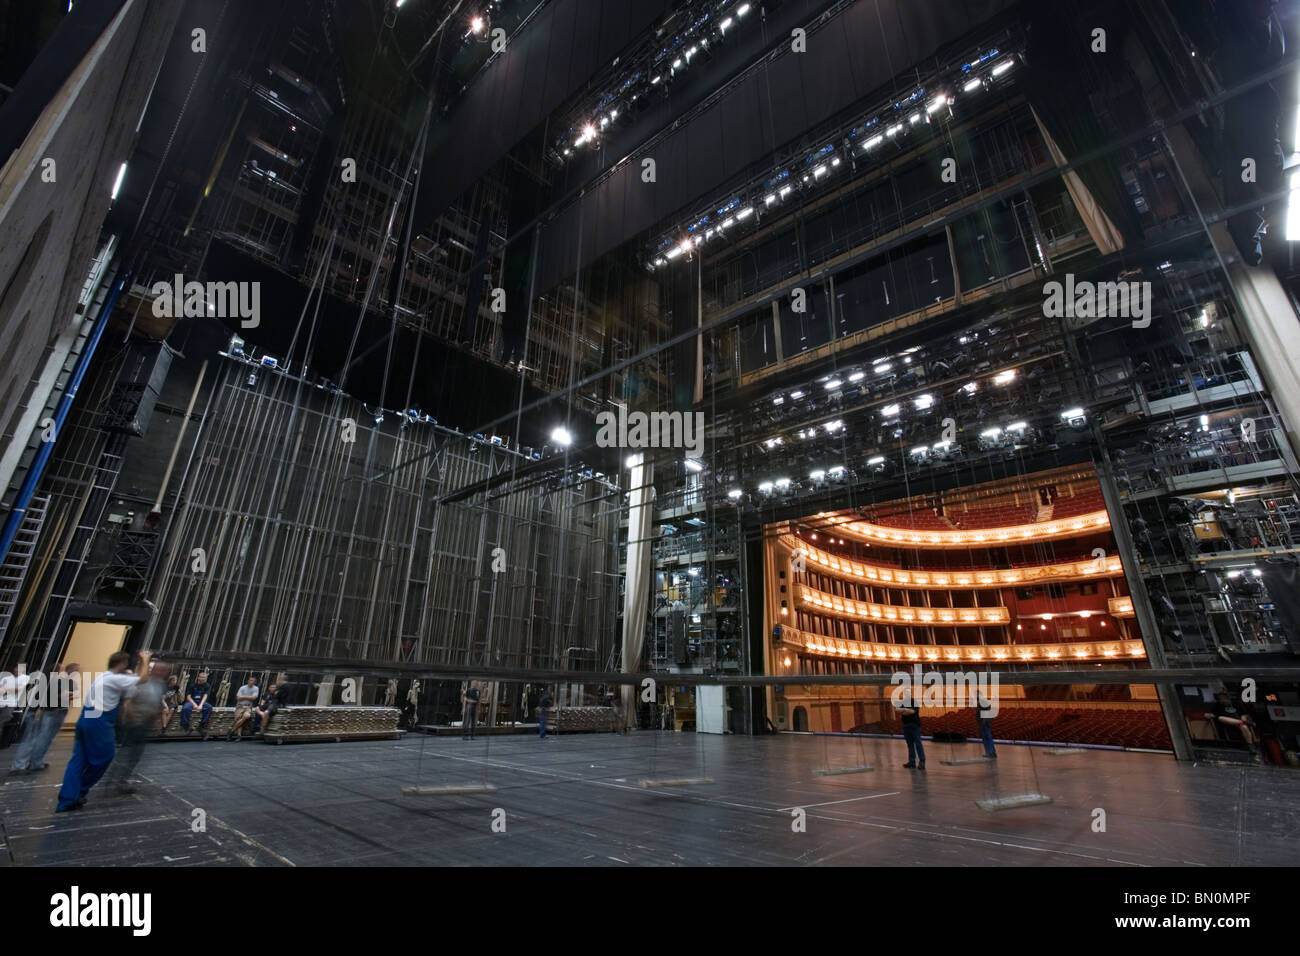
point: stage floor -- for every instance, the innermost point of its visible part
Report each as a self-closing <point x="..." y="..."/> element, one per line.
<point x="577" y="800"/>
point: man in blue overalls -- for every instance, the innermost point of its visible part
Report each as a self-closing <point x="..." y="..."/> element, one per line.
<point x="95" y="744"/>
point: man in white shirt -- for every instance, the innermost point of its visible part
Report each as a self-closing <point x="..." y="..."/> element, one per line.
<point x="95" y="744"/>
<point x="11" y="697"/>
<point x="245" y="701"/>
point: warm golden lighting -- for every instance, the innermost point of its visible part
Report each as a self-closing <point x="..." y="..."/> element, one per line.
<point x="1035" y="531"/>
<point x="1025" y="652"/>
<point x="909" y="616"/>
<point x="897" y="577"/>
<point x="1121" y="606"/>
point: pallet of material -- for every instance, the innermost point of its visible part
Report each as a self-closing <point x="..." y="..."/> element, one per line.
<point x="581" y="720"/>
<point x="306" y="724"/>
<point x="298" y="724"/>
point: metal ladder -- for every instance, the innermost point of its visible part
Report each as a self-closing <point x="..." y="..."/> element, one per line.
<point x="13" y="572"/>
<point x="53" y="398"/>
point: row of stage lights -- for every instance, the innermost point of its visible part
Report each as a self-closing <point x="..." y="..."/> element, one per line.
<point x="603" y="114"/>
<point x="823" y="163"/>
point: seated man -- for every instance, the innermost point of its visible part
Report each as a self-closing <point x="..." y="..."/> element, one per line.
<point x="171" y="700"/>
<point x="197" y="698"/>
<point x="1231" y="717"/>
<point x="245" y="701"/>
<point x="265" y="709"/>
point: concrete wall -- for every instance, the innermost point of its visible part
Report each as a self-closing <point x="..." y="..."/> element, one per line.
<point x="51" y="230"/>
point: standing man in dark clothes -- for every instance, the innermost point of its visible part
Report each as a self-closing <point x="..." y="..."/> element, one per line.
<point x="140" y="716"/>
<point x="197" y="698"/>
<point x="469" y="701"/>
<point x="543" y="703"/>
<point x="910" y="711"/>
<point x="984" y="719"/>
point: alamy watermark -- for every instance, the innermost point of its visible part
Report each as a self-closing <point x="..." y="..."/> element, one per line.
<point x="624" y="429"/>
<point x="76" y="909"/>
<point x="1098" y="300"/>
<point x="221" y="300"/>
<point x="946" y="689"/>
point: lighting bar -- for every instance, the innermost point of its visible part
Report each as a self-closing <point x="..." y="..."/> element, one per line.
<point x="117" y="183"/>
<point x="1082" y="570"/>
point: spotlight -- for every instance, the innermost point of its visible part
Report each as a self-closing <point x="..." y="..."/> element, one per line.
<point x="560" y="435"/>
<point x="476" y="25"/>
<point x="734" y="493"/>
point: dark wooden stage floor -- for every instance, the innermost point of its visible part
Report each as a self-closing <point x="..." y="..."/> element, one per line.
<point x="577" y="800"/>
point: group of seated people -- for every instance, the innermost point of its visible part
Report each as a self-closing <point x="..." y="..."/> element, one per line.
<point x="250" y="704"/>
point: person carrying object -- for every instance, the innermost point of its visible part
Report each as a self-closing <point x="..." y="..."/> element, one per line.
<point x="95" y="745"/>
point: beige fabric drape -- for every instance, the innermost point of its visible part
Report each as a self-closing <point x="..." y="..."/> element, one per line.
<point x="1102" y="230"/>
<point x="636" y="590"/>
